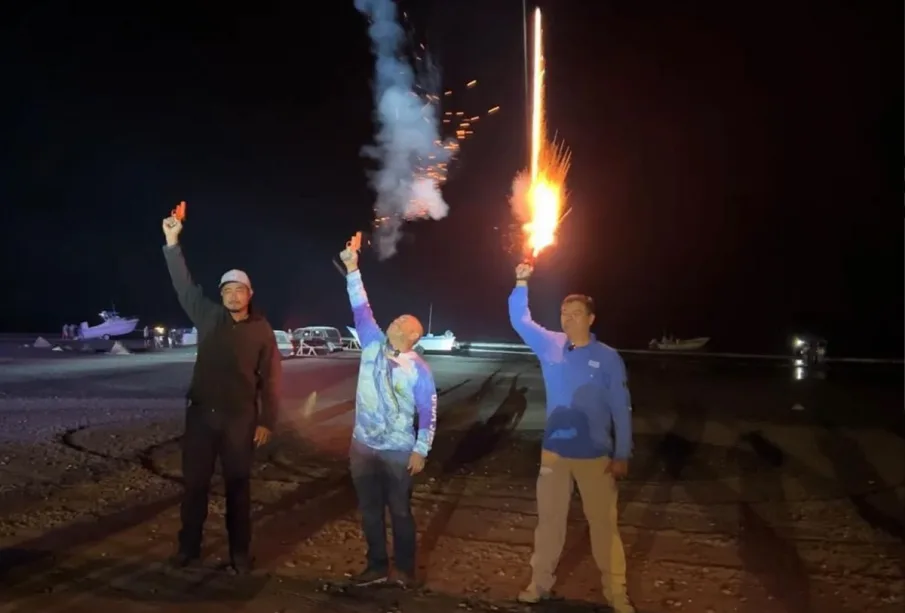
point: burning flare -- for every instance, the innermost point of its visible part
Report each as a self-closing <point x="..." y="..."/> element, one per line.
<point x="538" y="195"/>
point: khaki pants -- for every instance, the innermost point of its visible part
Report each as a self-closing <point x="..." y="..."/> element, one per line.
<point x="598" y="496"/>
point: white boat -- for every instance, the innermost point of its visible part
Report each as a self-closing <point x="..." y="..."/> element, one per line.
<point x="435" y="342"/>
<point x="112" y="324"/>
<point x="678" y="344"/>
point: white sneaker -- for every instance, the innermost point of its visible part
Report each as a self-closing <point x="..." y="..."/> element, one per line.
<point x="533" y="594"/>
<point x="622" y="604"/>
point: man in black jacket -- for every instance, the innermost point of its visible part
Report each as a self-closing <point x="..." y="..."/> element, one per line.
<point x="232" y="402"/>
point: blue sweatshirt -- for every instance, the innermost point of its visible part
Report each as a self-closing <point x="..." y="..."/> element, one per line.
<point x="391" y="388"/>
<point x="587" y="390"/>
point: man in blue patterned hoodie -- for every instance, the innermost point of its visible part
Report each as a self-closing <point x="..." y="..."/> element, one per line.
<point x="394" y="385"/>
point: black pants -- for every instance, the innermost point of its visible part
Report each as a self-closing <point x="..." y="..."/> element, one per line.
<point x="382" y="481"/>
<point x="209" y="435"/>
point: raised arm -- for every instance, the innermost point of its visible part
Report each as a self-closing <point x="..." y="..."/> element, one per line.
<point x="620" y="400"/>
<point x="365" y="324"/>
<point x="538" y="338"/>
<point x="201" y="310"/>
<point x="270" y="373"/>
<point x="426" y="406"/>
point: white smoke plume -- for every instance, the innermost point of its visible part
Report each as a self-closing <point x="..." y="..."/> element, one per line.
<point x="407" y="145"/>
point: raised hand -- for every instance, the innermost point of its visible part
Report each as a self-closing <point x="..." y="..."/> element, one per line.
<point x="349" y="255"/>
<point x="171" y="229"/>
<point x="523" y="272"/>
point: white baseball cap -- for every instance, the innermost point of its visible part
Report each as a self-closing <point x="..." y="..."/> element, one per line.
<point x="235" y="276"/>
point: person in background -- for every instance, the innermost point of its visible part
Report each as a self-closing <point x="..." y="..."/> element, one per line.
<point x="394" y="386"/>
<point x="233" y="402"/>
<point x="588" y="402"/>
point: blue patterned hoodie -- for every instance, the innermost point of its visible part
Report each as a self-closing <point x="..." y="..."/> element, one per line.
<point x="391" y="389"/>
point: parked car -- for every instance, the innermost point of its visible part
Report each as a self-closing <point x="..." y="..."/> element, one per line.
<point x="323" y="339"/>
<point x="284" y="343"/>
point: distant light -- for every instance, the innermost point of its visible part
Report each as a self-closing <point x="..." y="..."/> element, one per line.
<point x="798" y="342"/>
<point x="160" y="330"/>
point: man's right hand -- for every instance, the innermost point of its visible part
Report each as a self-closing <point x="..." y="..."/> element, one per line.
<point x="349" y="255"/>
<point x="171" y="229"/>
<point x="523" y="272"/>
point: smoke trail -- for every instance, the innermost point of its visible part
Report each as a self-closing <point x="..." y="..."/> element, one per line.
<point x="407" y="144"/>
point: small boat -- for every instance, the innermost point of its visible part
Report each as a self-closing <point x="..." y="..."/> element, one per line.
<point x="677" y="344"/>
<point x="112" y="324"/>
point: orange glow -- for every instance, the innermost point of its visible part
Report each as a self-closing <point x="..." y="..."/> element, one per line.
<point x="179" y="211"/>
<point x="549" y="164"/>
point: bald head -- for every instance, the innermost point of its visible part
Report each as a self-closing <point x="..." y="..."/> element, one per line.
<point x="404" y="332"/>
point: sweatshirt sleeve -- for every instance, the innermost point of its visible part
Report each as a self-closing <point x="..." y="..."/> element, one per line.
<point x="200" y="309"/>
<point x="538" y="338"/>
<point x="365" y="324"/>
<point x="270" y="373"/>
<point x="426" y="406"/>
<point x="620" y="402"/>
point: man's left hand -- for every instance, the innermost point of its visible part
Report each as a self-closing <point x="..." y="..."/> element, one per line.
<point x="262" y="435"/>
<point x="617" y="468"/>
<point x="416" y="463"/>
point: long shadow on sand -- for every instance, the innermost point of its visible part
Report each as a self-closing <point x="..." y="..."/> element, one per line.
<point x="478" y="441"/>
<point x="883" y="510"/>
<point x="25" y="568"/>
<point x="680" y="455"/>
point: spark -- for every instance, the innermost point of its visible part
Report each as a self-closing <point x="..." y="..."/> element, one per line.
<point x="539" y="195"/>
<point x="459" y="124"/>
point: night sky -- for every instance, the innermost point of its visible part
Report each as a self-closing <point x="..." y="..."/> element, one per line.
<point x="736" y="166"/>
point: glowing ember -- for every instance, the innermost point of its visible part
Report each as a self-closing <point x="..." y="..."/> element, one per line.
<point x="539" y="197"/>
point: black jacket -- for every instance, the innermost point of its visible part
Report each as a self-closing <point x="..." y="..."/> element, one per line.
<point x="238" y="369"/>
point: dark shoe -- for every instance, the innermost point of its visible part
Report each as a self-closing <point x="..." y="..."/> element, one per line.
<point x="406" y="580"/>
<point x="370" y="577"/>
<point x="240" y="564"/>
<point x="183" y="559"/>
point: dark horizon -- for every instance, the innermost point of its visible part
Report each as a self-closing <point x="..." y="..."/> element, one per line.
<point x="736" y="169"/>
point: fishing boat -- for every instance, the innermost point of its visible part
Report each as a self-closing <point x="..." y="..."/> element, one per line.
<point x="112" y="324"/>
<point x="669" y="343"/>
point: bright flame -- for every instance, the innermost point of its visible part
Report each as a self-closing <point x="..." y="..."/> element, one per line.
<point x="538" y="129"/>
<point x="544" y="195"/>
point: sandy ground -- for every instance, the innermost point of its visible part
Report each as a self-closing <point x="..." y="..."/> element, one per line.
<point x="735" y="501"/>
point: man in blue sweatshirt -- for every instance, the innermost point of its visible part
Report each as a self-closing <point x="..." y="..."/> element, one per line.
<point x="394" y="385"/>
<point x="587" y="440"/>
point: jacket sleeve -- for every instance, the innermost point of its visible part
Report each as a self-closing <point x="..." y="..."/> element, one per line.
<point x="620" y="402"/>
<point x="270" y="374"/>
<point x="538" y="338"/>
<point x="365" y="324"/>
<point x="426" y="406"/>
<point x="201" y="310"/>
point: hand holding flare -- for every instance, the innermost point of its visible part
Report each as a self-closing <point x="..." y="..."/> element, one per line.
<point x="172" y="225"/>
<point x="177" y="215"/>
<point x="349" y="255"/>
